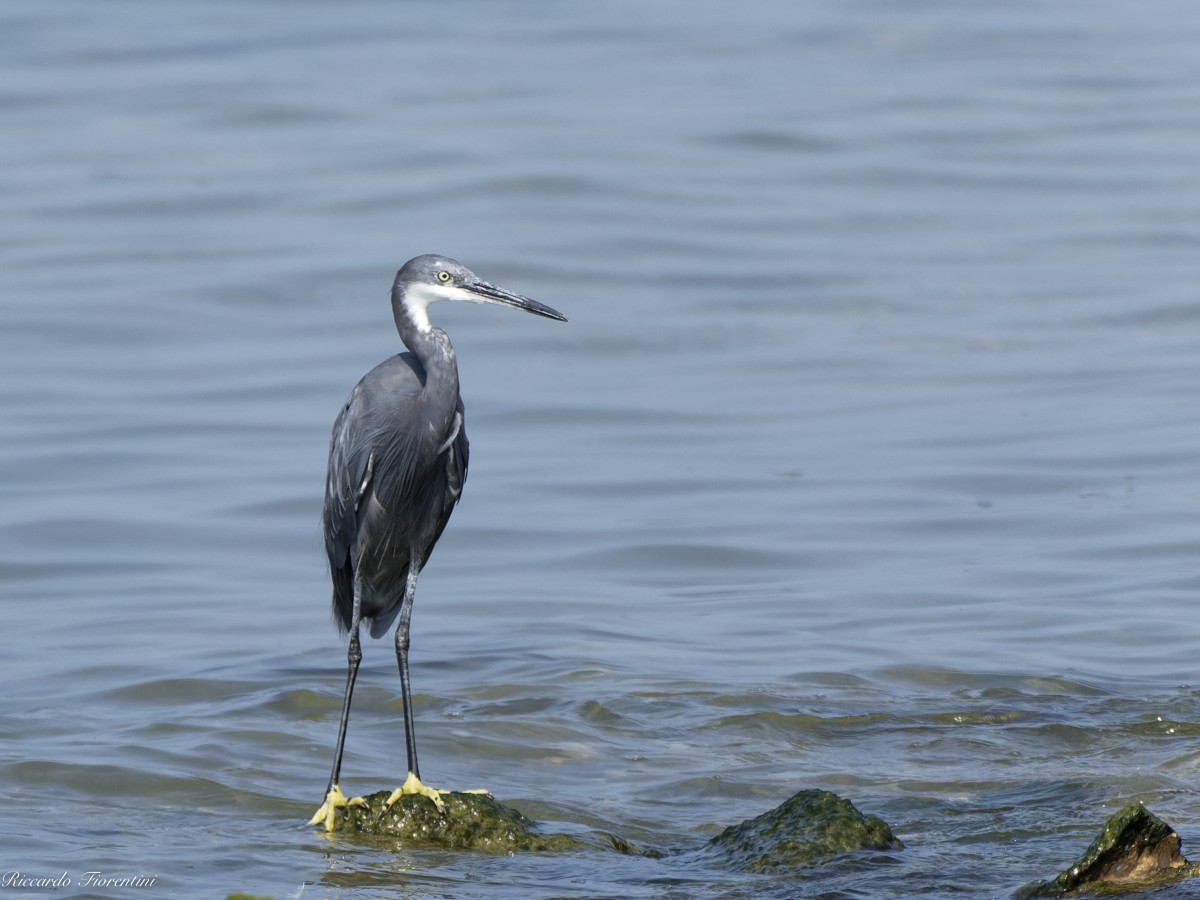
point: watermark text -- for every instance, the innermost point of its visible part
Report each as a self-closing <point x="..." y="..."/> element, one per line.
<point x="93" y="878"/>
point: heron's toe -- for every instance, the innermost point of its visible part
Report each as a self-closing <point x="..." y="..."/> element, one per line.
<point x="413" y="786"/>
<point x="334" y="801"/>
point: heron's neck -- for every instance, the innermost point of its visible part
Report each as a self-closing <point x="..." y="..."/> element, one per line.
<point x="427" y="342"/>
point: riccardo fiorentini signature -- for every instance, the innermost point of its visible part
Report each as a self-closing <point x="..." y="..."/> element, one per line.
<point x="94" y="878"/>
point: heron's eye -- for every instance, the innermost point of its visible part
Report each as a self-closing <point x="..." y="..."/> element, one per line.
<point x="443" y="276"/>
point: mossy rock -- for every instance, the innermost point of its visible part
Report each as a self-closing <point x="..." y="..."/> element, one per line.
<point x="809" y="827"/>
<point x="1136" y="849"/>
<point x="468" y="822"/>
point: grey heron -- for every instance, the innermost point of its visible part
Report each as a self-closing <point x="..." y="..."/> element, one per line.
<point x="397" y="464"/>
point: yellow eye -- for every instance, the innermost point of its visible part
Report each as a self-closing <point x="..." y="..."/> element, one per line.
<point x="443" y="276"/>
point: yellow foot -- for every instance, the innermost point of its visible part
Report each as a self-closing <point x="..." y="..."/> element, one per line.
<point x="334" y="801"/>
<point x="412" y="785"/>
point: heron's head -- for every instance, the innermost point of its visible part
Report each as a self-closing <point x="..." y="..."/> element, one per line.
<point x="430" y="278"/>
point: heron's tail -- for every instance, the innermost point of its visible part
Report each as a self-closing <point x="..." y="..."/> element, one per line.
<point x="343" y="597"/>
<point x="381" y="622"/>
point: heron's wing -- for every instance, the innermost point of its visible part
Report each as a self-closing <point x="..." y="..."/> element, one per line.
<point x="382" y="451"/>
<point x="351" y="468"/>
<point x="457" y="454"/>
<point x="460" y="449"/>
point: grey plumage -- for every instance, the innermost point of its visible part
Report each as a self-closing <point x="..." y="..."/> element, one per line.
<point x="389" y="491"/>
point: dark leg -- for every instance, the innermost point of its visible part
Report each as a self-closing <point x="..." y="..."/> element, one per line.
<point x="353" y="658"/>
<point x="412" y="784"/>
<point x="410" y="735"/>
<point x="334" y="800"/>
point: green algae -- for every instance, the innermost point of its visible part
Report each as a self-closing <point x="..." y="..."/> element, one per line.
<point x="809" y="827"/>
<point x="474" y="822"/>
<point x="1135" y="850"/>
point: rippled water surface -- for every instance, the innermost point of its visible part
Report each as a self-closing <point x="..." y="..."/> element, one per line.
<point x="868" y="460"/>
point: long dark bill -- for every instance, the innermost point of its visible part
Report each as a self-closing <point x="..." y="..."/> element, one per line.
<point x="489" y="293"/>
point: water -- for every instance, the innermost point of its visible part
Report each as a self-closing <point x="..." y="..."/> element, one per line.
<point x="866" y="462"/>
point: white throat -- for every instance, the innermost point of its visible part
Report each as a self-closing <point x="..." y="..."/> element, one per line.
<point x="418" y="297"/>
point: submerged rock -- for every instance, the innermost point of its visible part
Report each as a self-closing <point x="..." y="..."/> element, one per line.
<point x="1135" y="847"/>
<point x="807" y="828"/>
<point x="469" y="822"/>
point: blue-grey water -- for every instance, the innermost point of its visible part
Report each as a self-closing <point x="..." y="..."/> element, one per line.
<point x="868" y="461"/>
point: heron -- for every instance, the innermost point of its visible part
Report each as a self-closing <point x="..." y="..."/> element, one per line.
<point x="397" y="464"/>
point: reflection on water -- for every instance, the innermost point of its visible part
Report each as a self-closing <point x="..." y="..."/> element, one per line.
<point x="864" y="462"/>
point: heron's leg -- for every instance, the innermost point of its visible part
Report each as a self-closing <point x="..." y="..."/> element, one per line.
<point x="412" y="784"/>
<point x="334" y="798"/>
<point x="353" y="658"/>
<point x="402" y="630"/>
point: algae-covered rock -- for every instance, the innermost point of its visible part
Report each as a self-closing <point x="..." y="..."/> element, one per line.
<point x="807" y="828"/>
<point x="1135" y="847"/>
<point x="468" y="822"/>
